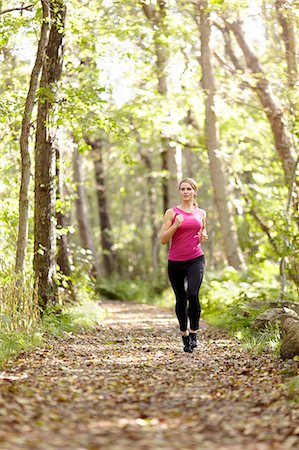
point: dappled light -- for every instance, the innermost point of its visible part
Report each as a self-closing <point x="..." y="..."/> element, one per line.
<point x="130" y="384"/>
<point x="149" y="252"/>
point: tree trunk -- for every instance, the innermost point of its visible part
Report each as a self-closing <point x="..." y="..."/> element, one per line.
<point x="82" y="216"/>
<point x="109" y="257"/>
<point x="24" y="142"/>
<point x="191" y="161"/>
<point x="219" y="178"/>
<point x="169" y="165"/>
<point x="44" y="262"/>
<point x="152" y="202"/>
<point x="62" y="239"/>
<point x="289" y="38"/>
<point x="271" y="105"/>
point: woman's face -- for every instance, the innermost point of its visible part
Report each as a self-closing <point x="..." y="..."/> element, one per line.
<point x="186" y="191"/>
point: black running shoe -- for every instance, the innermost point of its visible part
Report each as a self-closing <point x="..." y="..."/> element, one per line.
<point x="193" y="339"/>
<point x="187" y="344"/>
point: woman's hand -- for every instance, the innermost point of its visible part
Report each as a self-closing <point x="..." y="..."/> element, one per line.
<point x="203" y="236"/>
<point x="170" y="224"/>
<point x="178" y="220"/>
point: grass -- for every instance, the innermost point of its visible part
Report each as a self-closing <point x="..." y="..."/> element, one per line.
<point x="258" y="342"/>
<point x="74" y="318"/>
<point x="22" y="329"/>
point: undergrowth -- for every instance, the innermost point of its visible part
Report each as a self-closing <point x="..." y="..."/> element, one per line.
<point x="232" y="300"/>
<point x="23" y="329"/>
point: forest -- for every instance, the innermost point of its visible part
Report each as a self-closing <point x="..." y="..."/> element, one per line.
<point x="105" y="106"/>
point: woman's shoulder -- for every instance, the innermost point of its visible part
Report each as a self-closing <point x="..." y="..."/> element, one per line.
<point x="202" y="211"/>
<point x="170" y="212"/>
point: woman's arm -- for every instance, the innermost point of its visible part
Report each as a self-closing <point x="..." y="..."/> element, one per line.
<point x="168" y="228"/>
<point x="204" y="233"/>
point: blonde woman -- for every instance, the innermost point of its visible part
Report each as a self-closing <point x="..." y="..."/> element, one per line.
<point x="185" y="227"/>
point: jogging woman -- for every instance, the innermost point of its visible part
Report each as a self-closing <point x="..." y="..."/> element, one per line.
<point x="185" y="227"/>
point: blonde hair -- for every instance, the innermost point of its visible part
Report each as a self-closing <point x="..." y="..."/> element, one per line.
<point x="193" y="184"/>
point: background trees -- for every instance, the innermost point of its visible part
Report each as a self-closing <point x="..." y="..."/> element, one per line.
<point x="148" y="92"/>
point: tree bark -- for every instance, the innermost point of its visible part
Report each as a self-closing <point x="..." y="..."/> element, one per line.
<point x="219" y="178"/>
<point x="109" y="256"/>
<point x="44" y="262"/>
<point x="152" y="202"/>
<point x="190" y="159"/>
<point x="157" y="17"/>
<point x="82" y="216"/>
<point x="289" y="38"/>
<point x="272" y="108"/>
<point x="24" y="142"/>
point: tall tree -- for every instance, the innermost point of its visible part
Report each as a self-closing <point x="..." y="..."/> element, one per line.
<point x="152" y="203"/>
<point x="85" y="233"/>
<point x="63" y="253"/>
<point x="218" y="175"/>
<point x="287" y="23"/>
<point x="109" y="256"/>
<point x="156" y="14"/>
<point x="271" y="105"/>
<point x="44" y="262"/>
<point x="24" y="141"/>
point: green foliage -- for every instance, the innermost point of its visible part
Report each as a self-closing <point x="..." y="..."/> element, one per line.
<point x="73" y="318"/>
<point x="228" y="288"/>
<point x="232" y="300"/>
<point x="19" y="318"/>
<point x="16" y="342"/>
<point x="259" y="341"/>
<point x="18" y="307"/>
<point x="118" y="288"/>
<point x="22" y="329"/>
<point x="109" y="91"/>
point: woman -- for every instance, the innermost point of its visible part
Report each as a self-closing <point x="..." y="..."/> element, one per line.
<point x="185" y="227"/>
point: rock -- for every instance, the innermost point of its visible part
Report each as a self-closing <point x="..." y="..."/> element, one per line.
<point x="288" y="323"/>
<point x="285" y="304"/>
<point x="290" y="342"/>
<point x="289" y="368"/>
<point x="274" y="315"/>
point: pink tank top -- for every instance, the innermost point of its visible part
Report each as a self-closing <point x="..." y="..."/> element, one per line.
<point x="185" y="243"/>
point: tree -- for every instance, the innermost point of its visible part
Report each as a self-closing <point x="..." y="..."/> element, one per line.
<point x="272" y="108"/>
<point x="157" y="17"/>
<point x="219" y="179"/>
<point x="44" y="262"/>
<point x="82" y="214"/>
<point x="288" y="33"/>
<point x="63" y="253"/>
<point x="24" y="141"/>
<point x="109" y="257"/>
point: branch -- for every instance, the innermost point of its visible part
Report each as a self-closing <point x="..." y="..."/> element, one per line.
<point x="187" y="144"/>
<point x="20" y="8"/>
<point x="255" y="215"/>
<point x="251" y="59"/>
<point x="149" y="10"/>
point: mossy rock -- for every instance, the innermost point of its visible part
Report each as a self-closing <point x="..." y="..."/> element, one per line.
<point x="274" y="315"/>
<point x="290" y="342"/>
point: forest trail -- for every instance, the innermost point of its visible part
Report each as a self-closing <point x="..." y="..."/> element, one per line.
<point x="130" y="386"/>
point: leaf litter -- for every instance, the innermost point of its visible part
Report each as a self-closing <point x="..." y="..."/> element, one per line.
<point x="129" y="385"/>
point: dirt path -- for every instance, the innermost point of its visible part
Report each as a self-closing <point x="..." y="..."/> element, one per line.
<point x="130" y="386"/>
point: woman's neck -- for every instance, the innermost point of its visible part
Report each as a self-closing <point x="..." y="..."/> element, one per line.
<point x="187" y="206"/>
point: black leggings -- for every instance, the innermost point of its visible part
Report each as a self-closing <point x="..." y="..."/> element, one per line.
<point x="187" y="302"/>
